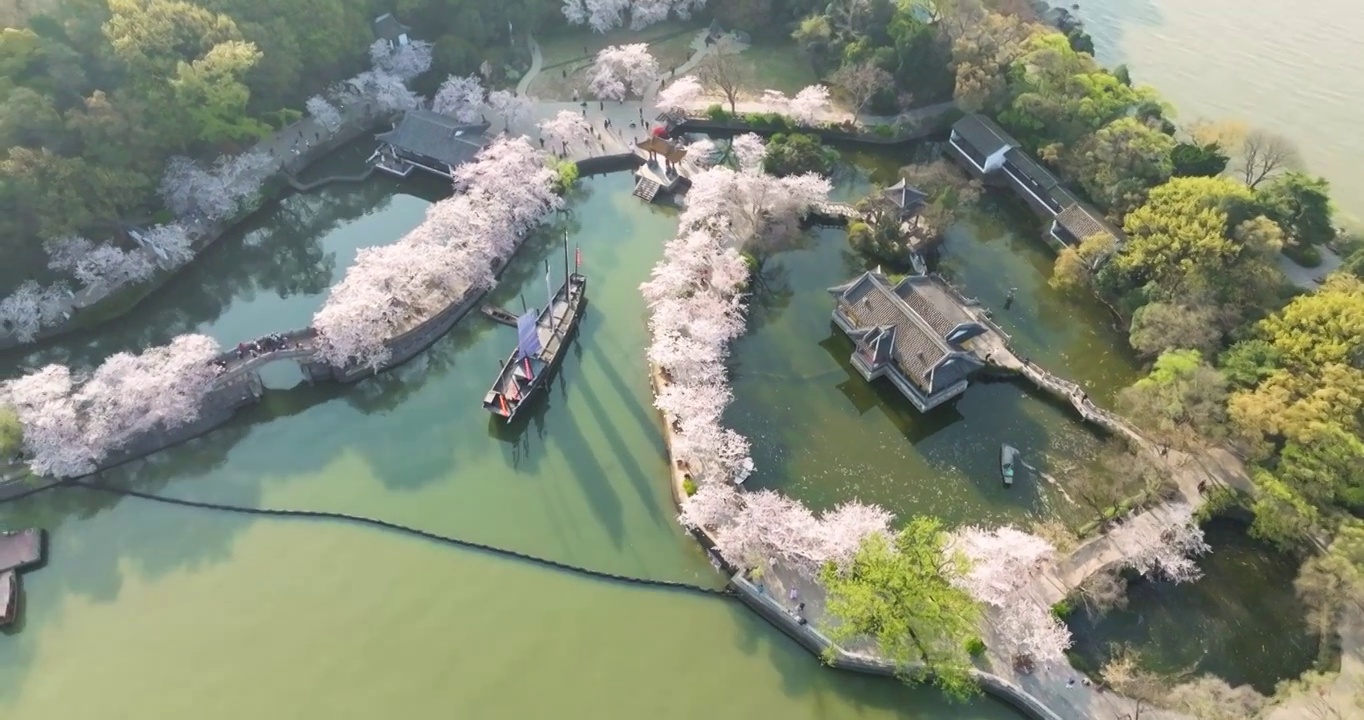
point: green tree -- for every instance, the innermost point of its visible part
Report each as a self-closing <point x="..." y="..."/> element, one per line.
<point x="900" y="592"/>
<point x="154" y="36"/>
<point x="1193" y="159"/>
<point x="1182" y="401"/>
<point x="1327" y="582"/>
<point x="1301" y="205"/>
<point x="29" y="119"/>
<point x="1159" y="326"/>
<point x="1249" y="362"/>
<point x="1074" y="270"/>
<point x="796" y="153"/>
<point x="211" y="92"/>
<point x="1060" y="96"/>
<point x="55" y="196"/>
<point x="11" y="432"/>
<point x="1119" y="163"/>
<point x="1182" y="229"/>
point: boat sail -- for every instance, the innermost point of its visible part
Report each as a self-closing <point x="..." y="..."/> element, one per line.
<point x="541" y="338"/>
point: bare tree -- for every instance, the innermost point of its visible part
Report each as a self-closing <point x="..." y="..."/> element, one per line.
<point x="860" y="82"/>
<point x="725" y="72"/>
<point x="1263" y="154"/>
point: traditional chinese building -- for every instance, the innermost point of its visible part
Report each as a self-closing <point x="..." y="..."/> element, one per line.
<point x="430" y="141"/>
<point x="662" y="171"/>
<point x="910" y="333"/>
<point x="988" y="152"/>
<point x="388" y="29"/>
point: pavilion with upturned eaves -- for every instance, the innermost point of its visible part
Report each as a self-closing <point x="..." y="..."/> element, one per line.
<point x="910" y="333"/>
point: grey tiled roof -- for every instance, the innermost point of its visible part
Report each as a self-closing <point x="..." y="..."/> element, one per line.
<point x="437" y="136"/>
<point x="904" y="195"/>
<point x="933" y="304"/>
<point x="983" y="134"/>
<point x="387" y="27"/>
<point x="1083" y="222"/>
<point x="1030" y="168"/>
<point x="871" y="304"/>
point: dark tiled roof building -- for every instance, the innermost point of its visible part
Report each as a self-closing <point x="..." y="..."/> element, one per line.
<point x="430" y="141"/>
<point x="910" y="333"/>
<point x="988" y="152"/>
<point x="388" y="29"/>
<point x="909" y="199"/>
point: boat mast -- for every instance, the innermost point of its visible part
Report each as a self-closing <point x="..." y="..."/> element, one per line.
<point x="549" y="289"/>
<point x="566" y="273"/>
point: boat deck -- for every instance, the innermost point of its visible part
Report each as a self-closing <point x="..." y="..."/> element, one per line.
<point x="20" y="548"/>
<point x="517" y="382"/>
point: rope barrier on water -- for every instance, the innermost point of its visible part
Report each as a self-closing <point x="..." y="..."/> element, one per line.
<point x="395" y="527"/>
<point x="31" y="492"/>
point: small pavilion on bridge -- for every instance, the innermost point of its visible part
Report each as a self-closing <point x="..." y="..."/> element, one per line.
<point x="430" y="141"/>
<point x="911" y="333"/>
<point x="662" y="170"/>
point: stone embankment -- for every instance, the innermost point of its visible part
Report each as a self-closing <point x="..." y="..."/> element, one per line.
<point x="298" y="145"/>
<point x="763" y="598"/>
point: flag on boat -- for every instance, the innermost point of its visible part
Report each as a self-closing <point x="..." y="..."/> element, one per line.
<point x="527" y="335"/>
<point x="513" y="392"/>
<point x="577" y="256"/>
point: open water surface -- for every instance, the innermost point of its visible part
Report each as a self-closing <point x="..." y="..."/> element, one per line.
<point x="149" y="611"/>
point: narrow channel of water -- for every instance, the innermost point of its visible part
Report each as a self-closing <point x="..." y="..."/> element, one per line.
<point x="1240" y="622"/>
<point x="145" y="611"/>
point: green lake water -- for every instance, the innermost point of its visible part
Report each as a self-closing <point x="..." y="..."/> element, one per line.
<point x="1241" y="622"/>
<point x="148" y="611"/>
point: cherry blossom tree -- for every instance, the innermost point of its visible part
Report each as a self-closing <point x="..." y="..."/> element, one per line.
<point x="753" y="205"/>
<point x="703" y="152"/>
<point x="748" y="150"/>
<point x="512" y="107"/>
<point x="605" y="15"/>
<point x="678" y="95"/>
<point x="69" y="426"/>
<point x="110" y="266"/>
<point x="621" y="70"/>
<point x="324" y="113"/>
<point x="450" y="256"/>
<point x="170" y="243"/>
<point x="712" y="505"/>
<point x="1001" y="563"/>
<point x="460" y="97"/>
<point x="567" y="129"/>
<point x="31" y="307"/>
<point x="769" y="525"/>
<point x="405" y="61"/>
<point x="386" y="91"/>
<point x="1162" y="543"/>
<point x="809" y="105"/>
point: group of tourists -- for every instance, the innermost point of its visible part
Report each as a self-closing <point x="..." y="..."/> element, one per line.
<point x="268" y="344"/>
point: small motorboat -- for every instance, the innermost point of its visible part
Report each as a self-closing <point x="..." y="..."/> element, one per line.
<point x="1008" y="458"/>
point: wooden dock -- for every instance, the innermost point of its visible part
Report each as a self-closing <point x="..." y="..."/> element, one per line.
<point x="19" y="550"/>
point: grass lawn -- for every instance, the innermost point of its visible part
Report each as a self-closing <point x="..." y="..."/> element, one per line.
<point x="777" y="66"/>
<point x="567" y="56"/>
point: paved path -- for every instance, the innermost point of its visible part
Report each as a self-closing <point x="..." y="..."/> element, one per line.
<point x="1307" y="278"/>
<point x="537" y="61"/>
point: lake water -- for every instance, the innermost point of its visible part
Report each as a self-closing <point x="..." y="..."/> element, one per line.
<point x="1293" y="67"/>
<point x="149" y="611"/>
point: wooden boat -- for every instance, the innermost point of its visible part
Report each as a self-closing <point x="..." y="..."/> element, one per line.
<point x="1008" y="458"/>
<point x="542" y="338"/>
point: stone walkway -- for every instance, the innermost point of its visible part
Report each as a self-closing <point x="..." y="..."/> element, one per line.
<point x="1307" y="278"/>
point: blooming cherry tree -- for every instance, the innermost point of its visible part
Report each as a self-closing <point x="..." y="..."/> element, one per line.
<point x="513" y="108"/>
<point x="386" y="91"/>
<point x="748" y="150"/>
<point x="605" y="15"/>
<point x="462" y="98"/>
<point x="30" y="308"/>
<point x="567" y="129"/>
<point x="171" y="243"/>
<point x="678" y="95"/>
<point x="324" y="112"/>
<point x="1162" y="543"/>
<point x="405" y="61"/>
<point x="621" y="70"/>
<point x="809" y="105"/>
<point x="390" y="289"/>
<point x="1001" y="563"/>
<point x="69" y="426"/>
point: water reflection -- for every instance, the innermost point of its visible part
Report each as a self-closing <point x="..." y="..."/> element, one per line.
<point x="1241" y="621"/>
